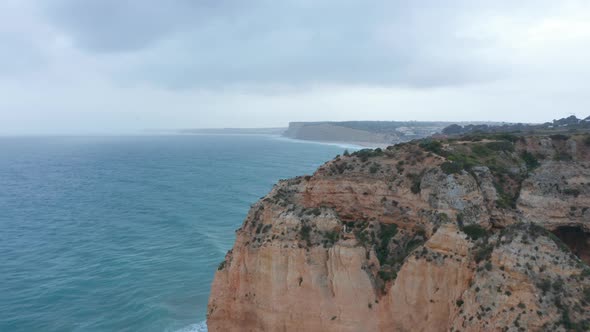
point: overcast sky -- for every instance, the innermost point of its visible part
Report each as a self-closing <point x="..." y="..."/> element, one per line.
<point x="122" y="66"/>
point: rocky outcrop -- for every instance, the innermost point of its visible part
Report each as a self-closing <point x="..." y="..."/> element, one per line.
<point x="484" y="233"/>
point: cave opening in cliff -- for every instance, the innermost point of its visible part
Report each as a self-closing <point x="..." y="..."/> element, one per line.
<point x="576" y="239"/>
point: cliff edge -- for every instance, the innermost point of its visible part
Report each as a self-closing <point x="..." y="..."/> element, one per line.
<point x="478" y="233"/>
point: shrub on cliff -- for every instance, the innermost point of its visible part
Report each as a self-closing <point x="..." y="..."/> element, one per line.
<point x="530" y="160"/>
<point x="387" y="232"/>
<point x="331" y="237"/>
<point x="500" y="146"/>
<point x="451" y="167"/>
<point x="221" y="266"/>
<point x="416" y="182"/>
<point x="374" y="168"/>
<point x="432" y="146"/>
<point x="480" y="150"/>
<point x="571" y="192"/>
<point x="562" y="156"/>
<point x="305" y="233"/>
<point x="387" y="275"/>
<point x="365" y="154"/>
<point x="559" y="137"/>
<point x="484" y="252"/>
<point x="474" y="232"/>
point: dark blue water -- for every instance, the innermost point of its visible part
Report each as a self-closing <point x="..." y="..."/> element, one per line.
<point x="125" y="233"/>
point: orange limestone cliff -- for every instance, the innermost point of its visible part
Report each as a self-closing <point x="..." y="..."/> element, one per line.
<point x="474" y="234"/>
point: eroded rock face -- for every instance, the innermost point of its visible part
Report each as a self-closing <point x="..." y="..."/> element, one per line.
<point x="417" y="238"/>
<point x="557" y="194"/>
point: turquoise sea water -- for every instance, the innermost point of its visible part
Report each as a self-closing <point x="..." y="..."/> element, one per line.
<point x="125" y="233"/>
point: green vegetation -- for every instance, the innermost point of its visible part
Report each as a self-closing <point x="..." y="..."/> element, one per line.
<point x="496" y="151"/>
<point x="505" y="200"/>
<point x="478" y="137"/>
<point x="221" y="266"/>
<point x="365" y="154"/>
<point x="451" y="167"/>
<point x="562" y="156"/>
<point x="443" y="217"/>
<point x="587" y="295"/>
<point x="362" y="237"/>
<point x="460" y="219"/>
<point x="387" y="232"/>
<point x="432" y="146"/>
<point x="305" y="233"/>
<point x="557" y="285"/>
<point x="314" y="212"/>
<point x="530" y="160"/>
<point x="464" y="160"/>
<point x="559" y="137"/>
<point x="500" y="146"/>
<point x="374" y="168"/>
<point x="480" y="150"/>
<point x="571" y="192"/>
<point x="387" y="275"/>
<point x="474" y="232"/>
<point x="544" y="285"/>
<point x="416" y="180"/>
<point x="331" y="237"/>
<point x="484" y="252"/>
<point x="460" y="303"/>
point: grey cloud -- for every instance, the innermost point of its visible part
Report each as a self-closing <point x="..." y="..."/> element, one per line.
<point x="209" y="44"/>
<point x="106" y="26"/>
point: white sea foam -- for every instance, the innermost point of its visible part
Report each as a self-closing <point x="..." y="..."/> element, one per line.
<point x="199" y="327"/>
<point x="341" y="145"/>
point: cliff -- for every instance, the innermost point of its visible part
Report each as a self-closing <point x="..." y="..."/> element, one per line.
<point x="481" y="233"/>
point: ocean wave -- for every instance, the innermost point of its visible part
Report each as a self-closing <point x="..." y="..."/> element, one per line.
<point x="199" y="327"/>
<point x="341" y="145"/>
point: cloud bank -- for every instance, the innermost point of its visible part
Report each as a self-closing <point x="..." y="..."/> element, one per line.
<point x="109" y="66"/>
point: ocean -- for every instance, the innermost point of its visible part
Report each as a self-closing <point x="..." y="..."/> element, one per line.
<point x="126" y="233"/>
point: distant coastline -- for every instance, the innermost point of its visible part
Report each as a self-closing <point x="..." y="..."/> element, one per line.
<point x="351" y="134"/>
<point x="365" y="133"/>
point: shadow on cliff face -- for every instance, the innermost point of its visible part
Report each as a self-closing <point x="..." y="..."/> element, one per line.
<point x="576" y="239"/>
